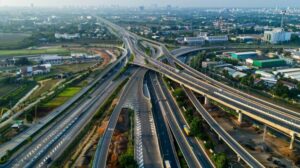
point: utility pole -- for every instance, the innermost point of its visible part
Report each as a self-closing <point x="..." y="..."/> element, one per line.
<point x="35" y="113"/>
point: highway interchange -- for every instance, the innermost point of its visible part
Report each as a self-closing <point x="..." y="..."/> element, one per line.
<point x="152" y="147"/>
<point x="266" y="112"/>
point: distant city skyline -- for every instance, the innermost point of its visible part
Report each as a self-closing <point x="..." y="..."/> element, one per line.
<point x="179" y="3"/>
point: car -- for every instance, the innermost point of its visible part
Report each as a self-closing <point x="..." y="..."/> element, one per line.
<point x="48" y="160"/>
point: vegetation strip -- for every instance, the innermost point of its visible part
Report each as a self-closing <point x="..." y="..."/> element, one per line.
<point x="197" y="128"/>
<point x="98" y="116"/>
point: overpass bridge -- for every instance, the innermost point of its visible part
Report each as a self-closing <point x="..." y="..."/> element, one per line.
<point x="283" y="122"/>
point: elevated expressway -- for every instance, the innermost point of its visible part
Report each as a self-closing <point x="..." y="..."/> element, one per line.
<point x="289" y="117"/>
<point x="284" y="120"/>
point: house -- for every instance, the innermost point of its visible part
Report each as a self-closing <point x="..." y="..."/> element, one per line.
<point x="35" y="70"/>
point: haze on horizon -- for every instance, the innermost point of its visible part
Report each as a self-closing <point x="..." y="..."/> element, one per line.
<point x="179" y="3"/>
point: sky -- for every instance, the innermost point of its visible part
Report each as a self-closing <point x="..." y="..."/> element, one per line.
<point x="180" y="3"/>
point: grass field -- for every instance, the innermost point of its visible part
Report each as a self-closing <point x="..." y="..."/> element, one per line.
<point x="12" y="93"/>
<point x="60" y="51"/>
<point x="7" y="89"/>
<point x="63" y="97"/>
<point x="46" y="85"/>
<point x="12" y="39"/>
<point x="72" y="67"/>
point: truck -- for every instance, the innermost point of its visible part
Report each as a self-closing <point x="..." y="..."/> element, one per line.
<point x="186" y="130"/>
<point x="167" y="164"/>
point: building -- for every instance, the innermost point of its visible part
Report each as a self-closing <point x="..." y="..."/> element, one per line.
<point x="74" y="58"/>
<point x="51" y="59"/>
<point x="293" y="73"/>
<point x="246" y="39"/>
<point x="242" y="55"/>
<point x="35" y="70"/>
<point x="289" y="70"/>
<point x="242" y="68"/>
<point x="216" y="39"/>
<point x="289" y="85"/>
<point x="207" y="64"/>
<point x="269" y="81"/>
<point x="269" y="63"/>
<point x="194" y="40"/>
<point x="265" y="74"/>
<point x="277" y="35"/>
<point x="234" y="73"/>
<point x="295" y="54"/>
<point x="67" y="36"/>
<point x="202" y="38"/>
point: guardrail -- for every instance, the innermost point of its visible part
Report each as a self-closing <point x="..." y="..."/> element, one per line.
<point x="59" y="110"/>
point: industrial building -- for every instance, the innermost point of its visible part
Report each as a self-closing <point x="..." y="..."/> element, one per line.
<point x="277" y="35"/>
<point x="234" y="73"/>
<point x="217" y="39"/>
<point x="293" y="73"/>
<point x="265" y="74"/>
<point x="66" y="36"/>
<point x="242" y="55"/>
<point x="194" y="40"/>
<point x="283" y="71"/>
<point x="202" y="38"/>
<point x="246" y="39"/>
<point x="269" y="63"/>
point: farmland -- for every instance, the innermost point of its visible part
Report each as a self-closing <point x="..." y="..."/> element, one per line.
<point x="72" y="67"/>
<point x="10" y="93"/>
<point x="45" y="86"/>
<point x="12" y="40"/>
<point x="60" y="51"/>
<point x="62" y="97"/>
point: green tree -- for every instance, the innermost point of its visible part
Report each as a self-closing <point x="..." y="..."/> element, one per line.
<point x="209" y="144"/>
<point x="280" y="90"/>
<point x="196" y="127"/>
<point x="23" y="61"/>
<point x="179" y="93"/>
<point x="188" y="114"/>
<point x="293" y="93"/>
<point x="221" y="160"/>
<point x="127" y="161"/>
<point x="248" y="80"/>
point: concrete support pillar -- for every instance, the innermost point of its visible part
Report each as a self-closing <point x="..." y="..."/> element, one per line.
<point x="265" y="132"/>
<point x="206" y="101"/>
<point x="292" y="140"/>
<point x="239" y="158"/>
<point x="240" y="117"/>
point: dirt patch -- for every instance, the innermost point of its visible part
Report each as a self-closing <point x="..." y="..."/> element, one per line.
<point x="120" y="139"/>
<point x="106" y="57"/>
<point x="87" y="148"/>
<point x="272" y="152"/>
